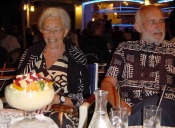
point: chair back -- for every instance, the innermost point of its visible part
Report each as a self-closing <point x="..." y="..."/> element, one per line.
<point x="96" y="70"/>
<point x="93" y="74"/>
<point x="3" y="56"/>
<point x="96" y="73"/>
<point x="6" y="76"/>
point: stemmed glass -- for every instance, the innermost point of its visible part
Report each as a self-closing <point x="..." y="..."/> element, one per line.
<point x="29" y="102"/>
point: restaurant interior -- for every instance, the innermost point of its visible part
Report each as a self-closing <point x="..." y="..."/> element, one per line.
<point x="120" y="12"/>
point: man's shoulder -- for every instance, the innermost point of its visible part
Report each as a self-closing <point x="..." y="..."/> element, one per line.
<point x="173" y="39"/>
<point x="167" y="44"/>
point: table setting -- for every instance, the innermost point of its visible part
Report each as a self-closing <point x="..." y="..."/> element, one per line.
<point x="118" y="116"/>
<point x="6" y="115"/>
<point x="10" y="116"/>
<point x="27" y="94"/>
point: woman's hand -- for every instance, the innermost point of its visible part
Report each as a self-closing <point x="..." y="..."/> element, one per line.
<point x="44" y="109"/>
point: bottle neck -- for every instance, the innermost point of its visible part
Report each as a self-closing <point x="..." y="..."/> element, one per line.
<point x="100" y="102"/>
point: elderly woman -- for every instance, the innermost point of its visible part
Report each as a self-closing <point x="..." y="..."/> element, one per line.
<point x="59" y="61"/>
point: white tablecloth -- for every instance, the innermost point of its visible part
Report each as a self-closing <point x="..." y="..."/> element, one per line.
<point x="142" y="127"/>
<point x="7" y="115"/>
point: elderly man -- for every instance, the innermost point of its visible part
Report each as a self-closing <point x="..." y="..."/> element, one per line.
<point x="142" y="69"/>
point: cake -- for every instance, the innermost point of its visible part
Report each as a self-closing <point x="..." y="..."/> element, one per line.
<point x="29" y="92"/>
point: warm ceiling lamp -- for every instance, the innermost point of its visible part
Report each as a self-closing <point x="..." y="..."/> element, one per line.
<point x="162" y="1"/>
<point x="25" y="7"/>
<point x="126" y="3"/>
<point x="32" y="8"/>
<point x="115" y="13"/>
<point x="147" y="2"/>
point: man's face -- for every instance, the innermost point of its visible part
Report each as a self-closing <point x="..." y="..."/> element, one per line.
<point x="152" y="26"/>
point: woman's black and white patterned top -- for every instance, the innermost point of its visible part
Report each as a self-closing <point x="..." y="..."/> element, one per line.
<point x="69" y="73"/>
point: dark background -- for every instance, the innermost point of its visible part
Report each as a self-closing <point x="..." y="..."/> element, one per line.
<point x="10" y="13"/>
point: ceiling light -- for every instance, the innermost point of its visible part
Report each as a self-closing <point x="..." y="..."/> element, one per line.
<point x="163" y="1"/>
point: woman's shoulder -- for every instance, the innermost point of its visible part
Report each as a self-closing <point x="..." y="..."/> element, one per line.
<point x="36" y="48"/>
<point x="77" y="55"/>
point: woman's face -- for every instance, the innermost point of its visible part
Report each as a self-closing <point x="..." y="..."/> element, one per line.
<point x="53" y="31"/>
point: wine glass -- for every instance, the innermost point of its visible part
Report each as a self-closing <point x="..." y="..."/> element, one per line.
<point x="29" y="102"/>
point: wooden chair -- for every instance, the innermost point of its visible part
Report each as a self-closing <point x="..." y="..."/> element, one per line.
<point x="6" y="74"/>
<point x="9" y="71"/>
<point x="95" y="71"/>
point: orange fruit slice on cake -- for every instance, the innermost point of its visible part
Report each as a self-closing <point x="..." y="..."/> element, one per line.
<point x="17" y="87"/>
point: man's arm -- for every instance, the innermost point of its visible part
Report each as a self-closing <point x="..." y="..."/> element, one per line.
<point x="109" y="84"/>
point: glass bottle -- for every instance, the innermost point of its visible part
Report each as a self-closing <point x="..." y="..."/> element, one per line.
<point x="100" y="117"/>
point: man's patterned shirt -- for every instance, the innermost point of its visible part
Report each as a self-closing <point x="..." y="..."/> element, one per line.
<point x="144" y="69"/>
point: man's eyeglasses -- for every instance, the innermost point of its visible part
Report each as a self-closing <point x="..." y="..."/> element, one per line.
<point x="54" y="30"/>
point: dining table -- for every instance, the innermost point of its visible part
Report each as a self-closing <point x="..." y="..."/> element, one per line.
<point x="142" y="127"/>
<point x="10" y="115"/>
<point x="6" y="115"/>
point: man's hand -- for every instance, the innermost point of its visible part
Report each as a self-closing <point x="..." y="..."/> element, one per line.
<point x="124" y="104"/>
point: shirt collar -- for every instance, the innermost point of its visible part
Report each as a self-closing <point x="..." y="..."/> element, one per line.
<point x="149" y="46"/>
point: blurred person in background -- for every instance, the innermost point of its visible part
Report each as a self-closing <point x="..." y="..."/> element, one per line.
<point x="94" y="46"/>
<point x="11" y="44"/>
<point x="117" y="36"/>
<point x="72" y="36"/>
<point x="29" y="37"/>
<point x="14" y="30"/>
<point x="3" y="56"/>
<point x="79" y="35"/>
<point x="172" y="25"/>
<point x="108" y="31"/>
<point x="127" y="34"/>
<point x="38" y="36"/>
